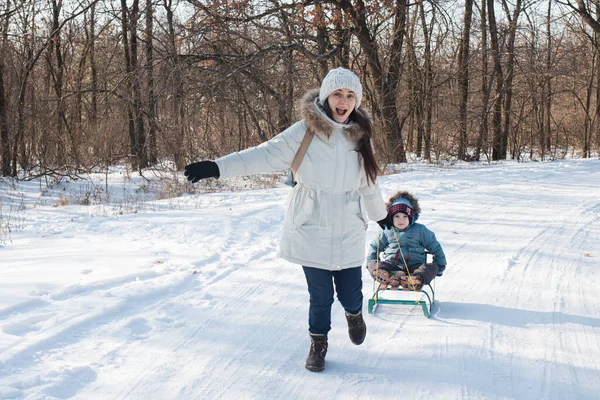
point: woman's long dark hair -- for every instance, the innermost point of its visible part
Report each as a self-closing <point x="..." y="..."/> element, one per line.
<point x="364" y="146"/>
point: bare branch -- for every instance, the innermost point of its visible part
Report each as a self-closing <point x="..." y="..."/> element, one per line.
<point x="191" y="58"/>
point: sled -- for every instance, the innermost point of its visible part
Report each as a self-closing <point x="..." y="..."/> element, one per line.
<point x="425" y="298"/>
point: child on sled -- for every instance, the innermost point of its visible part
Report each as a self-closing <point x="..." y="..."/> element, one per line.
<point x="398" y="257"/>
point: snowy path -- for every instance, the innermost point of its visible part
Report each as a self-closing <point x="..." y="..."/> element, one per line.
<point x="106" y="307"/>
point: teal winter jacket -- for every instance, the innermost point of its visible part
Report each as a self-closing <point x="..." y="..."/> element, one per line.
<point x="415" y="241"/>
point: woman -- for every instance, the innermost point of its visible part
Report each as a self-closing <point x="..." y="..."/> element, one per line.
<point x="324" y="229"/>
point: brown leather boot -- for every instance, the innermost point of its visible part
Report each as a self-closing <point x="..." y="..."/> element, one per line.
<point x="316" y="356"/>
<point x="357" y="329"/>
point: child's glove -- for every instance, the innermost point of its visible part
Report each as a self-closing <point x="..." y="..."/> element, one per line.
<point x="441" y="269"/>
<point x="386" y="223"/>
<point x="201" y="170"/>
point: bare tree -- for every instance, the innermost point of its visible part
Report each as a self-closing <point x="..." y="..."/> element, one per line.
<point x="151" y="107"/>
<point x="4" y="132"/>
<point x="176" y="132"/>
<point x="93" y="66"/>
<point x="593" y="21"/>
<point x="486" y="81"/>
<point x="137" y="139"/>
<point x="513" y="20"/>
<point x="32" y="49"/>
<point x="56" y="65"/>
<point x="385" y="75"/>
<point x="116" y="85"/>
<point x="498" y="149"/>
<point x="463" y="78"/>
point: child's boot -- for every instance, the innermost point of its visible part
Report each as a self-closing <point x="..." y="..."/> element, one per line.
<point x="415" y="282"/>
<point x="316" y="356"/>
<point x="357" y="329"/>
<point x="412" y="282"/>
<point x="395" y="280"/>
<point x="379" y="275"/>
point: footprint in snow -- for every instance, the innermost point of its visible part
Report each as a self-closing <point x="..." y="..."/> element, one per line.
<point x="65" y="383"/>
<point x="18" y="328"/>
<point x="138" y="328"/>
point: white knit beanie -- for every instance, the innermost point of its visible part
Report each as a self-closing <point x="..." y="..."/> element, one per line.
<point x="340" y="78"/>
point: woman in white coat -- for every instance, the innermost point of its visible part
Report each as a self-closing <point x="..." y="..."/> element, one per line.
<point x="324" y="228"/>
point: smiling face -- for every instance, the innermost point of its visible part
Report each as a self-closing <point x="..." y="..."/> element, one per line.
<point x="401" y="221"/>
<point x="341" y="103"/>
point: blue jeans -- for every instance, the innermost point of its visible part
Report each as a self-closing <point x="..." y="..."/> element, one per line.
<point x="348" y="285"/>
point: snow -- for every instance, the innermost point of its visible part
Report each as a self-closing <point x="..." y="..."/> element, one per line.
<point x="100" y="301"/>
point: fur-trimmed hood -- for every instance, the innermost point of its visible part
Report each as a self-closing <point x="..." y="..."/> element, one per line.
<point x="322" y="125"/>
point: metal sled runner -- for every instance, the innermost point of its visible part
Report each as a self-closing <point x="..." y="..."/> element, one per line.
<point x="425" y="298"/>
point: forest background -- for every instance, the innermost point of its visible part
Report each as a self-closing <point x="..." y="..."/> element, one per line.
<point x="89" y="84"/>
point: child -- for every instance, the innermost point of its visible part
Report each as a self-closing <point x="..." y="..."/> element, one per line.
<point x="407" y="268"/>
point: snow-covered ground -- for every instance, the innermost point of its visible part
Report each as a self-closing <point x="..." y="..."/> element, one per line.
<point x="100" y="301"/>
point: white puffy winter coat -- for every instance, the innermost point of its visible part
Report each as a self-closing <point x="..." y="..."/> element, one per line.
<point x="325" y="223"/>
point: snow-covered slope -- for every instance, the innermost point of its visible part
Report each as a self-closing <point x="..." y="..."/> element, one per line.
<point x="96" y="304"/>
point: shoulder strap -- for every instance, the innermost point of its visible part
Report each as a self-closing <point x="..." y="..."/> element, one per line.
<point x="308" y="136"/>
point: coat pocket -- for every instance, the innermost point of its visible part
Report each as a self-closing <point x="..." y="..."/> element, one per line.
<point x="300" y="208"/>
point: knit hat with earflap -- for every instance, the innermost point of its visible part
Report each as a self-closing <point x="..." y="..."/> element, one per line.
<point x="340" y="78"/>
<point x="403" y="206"/>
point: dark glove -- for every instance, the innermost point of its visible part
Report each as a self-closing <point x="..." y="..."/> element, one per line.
<point x="441" y="269"/>
<point x="201" y="170"/>
<point x="386" y="223"/>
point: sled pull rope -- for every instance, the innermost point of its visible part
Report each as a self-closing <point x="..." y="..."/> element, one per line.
<point x="405" y="264"/>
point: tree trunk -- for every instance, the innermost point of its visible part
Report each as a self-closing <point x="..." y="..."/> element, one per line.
<point x="510" y="73"/>
<point x="178" y="131"/>
<point x="546" y="100"/>
<point x="286" y="103"/>
<point x="93" y="67"/>
<point x="587" y="126"/>
<point x="386" y="83"/>
<point x="58" y="84"/>
<point x="4" y="133"/>
<point x="19" y="142"/>
<point x="415" y="94"/>
<point x="128" y="71"/>
<point x="485" y="86"/>
<point x="497" y="153"/>
<point x="322" y="39"/>
<point x="597" y="70"/>
<point x="136" y="123"/>
<point x="389" y="83"/>
<point x="150" y="82"/>
<point x="69" y="142"/>
<point x="427" y="84"/>
<point x="141" y="152"/>
<point x="463" y="79"/>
